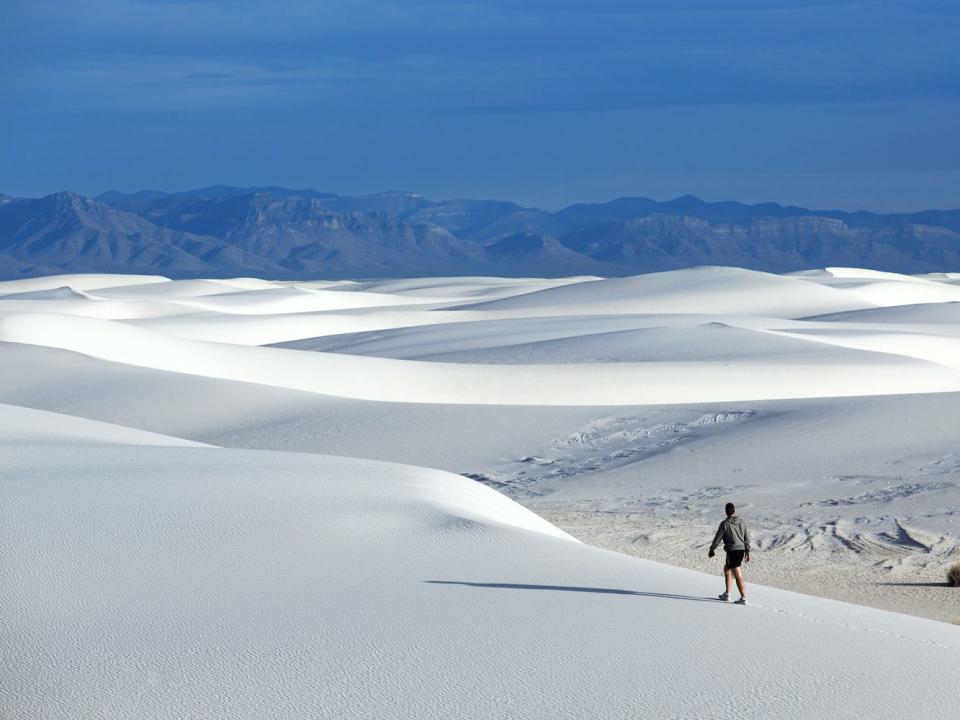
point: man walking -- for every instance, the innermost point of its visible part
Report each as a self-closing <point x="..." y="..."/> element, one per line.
<point x="736" y="542"/>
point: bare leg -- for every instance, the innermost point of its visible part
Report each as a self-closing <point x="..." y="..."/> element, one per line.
<point x="741" y="586"/>
<point x="728" y="578"/>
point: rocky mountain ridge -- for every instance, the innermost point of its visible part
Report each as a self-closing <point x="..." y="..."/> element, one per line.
<point x="281" y="233"/>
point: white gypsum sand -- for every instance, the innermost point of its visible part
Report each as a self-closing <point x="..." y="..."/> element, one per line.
<point x="179" y="541"/>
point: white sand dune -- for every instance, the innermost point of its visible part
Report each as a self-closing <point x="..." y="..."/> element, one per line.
<point x="181" y="582"/>
<point x="60" y="293"/>
<point x="277" y="301"/>
<point x="947" y="277"/>
<point x="172" y="289"/>
<point x="889" y="294"/>
<point x="697" y="290"/>
<point x="887" y="289"/>
<point x="90" y="306"/>
<point x="157" y="564"/>
<point x="77" y="282"/>
<point x="866" y="274"/>
<point x="241" y="329"/>
<point x="938" y="313"/>
<point x="463" y="288"/>
<point x="375" y="378"/>
<point x="613" y="338"/>
<point x="931" y="348"/>
<point x="24" y="426"/>
<point x="199" y="296"/>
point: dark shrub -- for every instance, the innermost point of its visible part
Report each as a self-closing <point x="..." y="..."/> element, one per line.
<point x="953" y="575"/>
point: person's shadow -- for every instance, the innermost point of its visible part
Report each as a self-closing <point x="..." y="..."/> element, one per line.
<point x="572" y="588"/>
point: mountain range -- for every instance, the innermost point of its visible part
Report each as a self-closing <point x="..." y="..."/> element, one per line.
<point x="275" y="232"/>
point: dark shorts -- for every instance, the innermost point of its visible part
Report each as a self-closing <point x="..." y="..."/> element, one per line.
<point x="735" y="558"/>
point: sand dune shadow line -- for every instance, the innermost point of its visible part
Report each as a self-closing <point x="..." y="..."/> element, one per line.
<point x="572" y="588"/>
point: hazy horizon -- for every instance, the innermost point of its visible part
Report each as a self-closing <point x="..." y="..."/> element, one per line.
<point x="438" y="198"/>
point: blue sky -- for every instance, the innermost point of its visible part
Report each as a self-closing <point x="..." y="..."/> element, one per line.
<point x="827" y="104"/>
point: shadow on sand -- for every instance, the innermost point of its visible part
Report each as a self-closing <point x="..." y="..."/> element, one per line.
<point x="572" y="588"/>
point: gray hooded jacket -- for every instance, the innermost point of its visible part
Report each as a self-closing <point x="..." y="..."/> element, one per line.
<point x="734" y="533"/>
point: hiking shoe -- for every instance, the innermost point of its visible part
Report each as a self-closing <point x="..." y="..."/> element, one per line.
<point x="724" y="596"/>
<point x="741" y="601"/>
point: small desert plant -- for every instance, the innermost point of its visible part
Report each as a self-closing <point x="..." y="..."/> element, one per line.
<point x="953" y="575"/>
